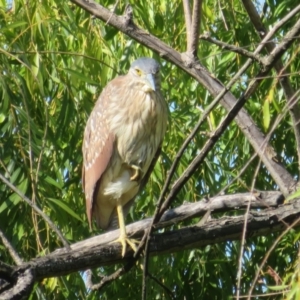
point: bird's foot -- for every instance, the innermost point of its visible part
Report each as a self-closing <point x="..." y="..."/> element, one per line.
<point x="137" y="173"/>
<point x="124" y="240"/>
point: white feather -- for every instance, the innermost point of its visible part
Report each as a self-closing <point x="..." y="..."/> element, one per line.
<point x="120" y="186"/>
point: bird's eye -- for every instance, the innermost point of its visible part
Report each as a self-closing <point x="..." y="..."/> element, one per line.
<point x="138" y="72"/>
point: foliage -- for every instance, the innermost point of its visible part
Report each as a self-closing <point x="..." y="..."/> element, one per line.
<point x="55" y="60"/>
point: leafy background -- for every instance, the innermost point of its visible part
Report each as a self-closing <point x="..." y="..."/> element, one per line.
<point x="54" y="61"/>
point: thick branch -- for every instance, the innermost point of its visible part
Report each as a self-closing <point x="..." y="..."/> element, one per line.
<point x="21" y="283"/>
<point x="92" y="253"/>
<point x="244" y="121"/>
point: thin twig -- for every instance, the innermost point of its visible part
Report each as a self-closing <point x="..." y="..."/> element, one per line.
<point x="32" y="177"/>
<point x="243" y="241"/>
<point x="169" y="292"/>
<point x="13" y="253"/>
<point x="259" y="296"/>
<point x="107" y="279"/>
<point x="112" y="11"/>
<point x="239" y="50"/>
<point x="40" y="212"/>
<point x="267" y="256"/>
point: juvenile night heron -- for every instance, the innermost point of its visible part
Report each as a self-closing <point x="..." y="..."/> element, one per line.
<point x="122" y="141"/>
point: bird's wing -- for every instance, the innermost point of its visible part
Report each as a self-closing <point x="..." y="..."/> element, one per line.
<point x="97" y="150"/>
<point x="114" y="218"/>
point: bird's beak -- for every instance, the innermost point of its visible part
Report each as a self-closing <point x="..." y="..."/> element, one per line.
<point x="150" y="82"/>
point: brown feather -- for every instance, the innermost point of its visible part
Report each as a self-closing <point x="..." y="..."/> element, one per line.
<point x="97" y="140"/>
<point x="126" y="127"/>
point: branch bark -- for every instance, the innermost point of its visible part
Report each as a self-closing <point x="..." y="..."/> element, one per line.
<point x="195" y="28"/>
<point x="188" y="21"/>
<point x="97" y="251"/>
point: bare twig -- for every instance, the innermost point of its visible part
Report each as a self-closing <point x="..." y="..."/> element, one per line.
<point x="239" y="50"/>
<point x="259" y="296"/>
<point x="169" y="292"/>
<point x="188" y="20"/>
<point x="32" y="177"/>
<point x="40" y="212"/>
<point x="240" y="264"/>
<point x="107" y="279"/>
<point x="13" y="253"/>
<point x="195" y="28"/>
<point x="113" y="10"/>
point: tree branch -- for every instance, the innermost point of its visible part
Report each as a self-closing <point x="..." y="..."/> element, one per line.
<point x="93" y="253"/>
<point x="195" y="28"/>
<point x="192" y="27"/>
<point x="188" y="21"/>
<point x="21" y="283"/>
<point x="239" y="50"/>
<point x="280" y="70"/>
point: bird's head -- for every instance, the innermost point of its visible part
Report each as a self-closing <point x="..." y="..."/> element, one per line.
<point x="145" y="73"/>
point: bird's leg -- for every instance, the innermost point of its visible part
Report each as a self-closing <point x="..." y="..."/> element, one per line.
<point x="123" y="238"/>
<point x="137" y="173"/>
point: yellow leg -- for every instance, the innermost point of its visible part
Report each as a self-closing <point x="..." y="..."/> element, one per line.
<point x="137" y="173"/>
<point x="123" y="238"/>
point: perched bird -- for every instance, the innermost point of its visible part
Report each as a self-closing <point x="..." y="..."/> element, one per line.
<point x="122" y="141"/>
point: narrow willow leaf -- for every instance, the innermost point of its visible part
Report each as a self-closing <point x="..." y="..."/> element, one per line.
<point x="266" y="115"/>
<point x="36" y="64"/>
<point x="65" y="207"/>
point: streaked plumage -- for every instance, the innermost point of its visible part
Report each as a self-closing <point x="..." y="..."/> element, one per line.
<point x="122" y="138"/>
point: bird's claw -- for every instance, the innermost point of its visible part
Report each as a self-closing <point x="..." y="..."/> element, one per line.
<point x="137" y="173"/>
<point x="123" y="240"/>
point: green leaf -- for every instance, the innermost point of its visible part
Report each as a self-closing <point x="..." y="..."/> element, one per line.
<point x="293" y="196"/>
<point x="2" y="118"/>
<point x="53" y="182"/>
<point x="266" y="114"/>
<point x="80" y="76"/>
<point x="65" y="207"/>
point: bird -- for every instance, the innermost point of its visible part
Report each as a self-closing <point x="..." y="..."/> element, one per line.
<point x="121" y="144"/>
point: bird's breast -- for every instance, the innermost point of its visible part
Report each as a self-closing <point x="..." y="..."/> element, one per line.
<point x="139" y="129"/>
